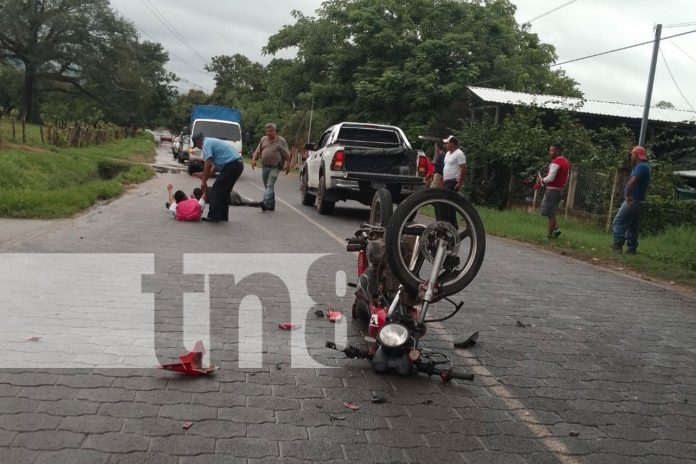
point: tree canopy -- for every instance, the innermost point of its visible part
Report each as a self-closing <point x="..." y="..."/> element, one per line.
<point x="81" y="48"/>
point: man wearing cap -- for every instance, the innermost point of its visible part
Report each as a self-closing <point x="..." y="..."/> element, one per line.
<point x="453" y="174"/>
<point x="275" y="156"/>
<point x="219" y="155"/>
<point x="625" y="226"/>
<point x="554" y="182"/>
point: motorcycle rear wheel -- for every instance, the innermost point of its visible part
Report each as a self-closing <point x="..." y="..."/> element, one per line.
<point x="424" y="207"/>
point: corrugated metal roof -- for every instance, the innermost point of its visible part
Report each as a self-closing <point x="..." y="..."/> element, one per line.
<point x="578" y="105"/>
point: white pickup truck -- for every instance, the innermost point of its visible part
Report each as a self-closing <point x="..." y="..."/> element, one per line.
<point x="352" y="160"/>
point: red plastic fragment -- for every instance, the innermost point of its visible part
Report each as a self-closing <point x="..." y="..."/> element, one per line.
<point x="350" y="405"/>
<point x="335" y="315"/>
<point x="191" y="363"/>
<point x="33" y="338"/>
<point x="288" y="326"/>
<point x="187" y="425"/>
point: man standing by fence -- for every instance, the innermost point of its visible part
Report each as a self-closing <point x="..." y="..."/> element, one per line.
<point x="625" y="227"/>
<point x="554" y="182"/>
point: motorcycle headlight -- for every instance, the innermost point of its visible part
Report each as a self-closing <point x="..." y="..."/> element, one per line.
<point x="393" y="335"/>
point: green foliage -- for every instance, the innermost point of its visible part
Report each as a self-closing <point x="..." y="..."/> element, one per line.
<point x="660" y="213"/>
<point x="61" y="182"/>
<point x="83" y="62"/>
<point x="670" y="255"/>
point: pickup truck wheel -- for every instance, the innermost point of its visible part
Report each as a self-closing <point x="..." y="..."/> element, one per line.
<point x="306" y="198"/>
<point x="382" y="208"/>
<point x="324" y="206"/>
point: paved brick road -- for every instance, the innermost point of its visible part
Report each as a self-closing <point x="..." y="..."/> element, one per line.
<point x="604" y="373"/>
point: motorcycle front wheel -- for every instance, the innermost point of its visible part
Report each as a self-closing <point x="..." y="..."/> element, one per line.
<point x="417" y="224"/>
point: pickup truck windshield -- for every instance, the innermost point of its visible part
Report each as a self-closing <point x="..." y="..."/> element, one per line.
<point x="219" y="130"/>
<point x="358" y="136"/>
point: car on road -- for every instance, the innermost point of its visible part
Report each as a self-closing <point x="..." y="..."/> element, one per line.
<point x="166" y="136"/>
<point x="351" y="161"/>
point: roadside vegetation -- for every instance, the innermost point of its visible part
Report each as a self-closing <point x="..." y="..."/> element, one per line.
<point x="668" y="256"/>
<point x="38" y="181"/>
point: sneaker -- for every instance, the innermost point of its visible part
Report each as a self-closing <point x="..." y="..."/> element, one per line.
<point x="617" y="250"/>
<point x="631" y="252"/>
<point x="166" y="205"/>
<point x="556" y="232"/>
<point x="263" y="206"/>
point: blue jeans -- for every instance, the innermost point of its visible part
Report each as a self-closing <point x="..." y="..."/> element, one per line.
<point x="625" y="226"/>
<point x="269" y="175"/>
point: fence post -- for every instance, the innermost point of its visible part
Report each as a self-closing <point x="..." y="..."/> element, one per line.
<point x="511" y="187"/>
<point x="572" y="187"/>
<point x="611" y="201"/>
<point x="14" y="134"/>
<point x="24" y="131"/>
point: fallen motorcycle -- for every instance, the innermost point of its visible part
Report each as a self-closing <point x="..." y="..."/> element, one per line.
<point x="429" y="248"/>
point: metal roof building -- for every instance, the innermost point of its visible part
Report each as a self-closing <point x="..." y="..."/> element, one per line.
<point x="578" y="105"/>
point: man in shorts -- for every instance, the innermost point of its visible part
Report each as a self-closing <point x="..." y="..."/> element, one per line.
<point x="554" y="182"/>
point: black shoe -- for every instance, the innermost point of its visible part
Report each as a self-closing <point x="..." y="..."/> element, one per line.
<point x="255" y="204"/>
<point x="166" y="205"/>
<point x="631" y="252"/>
<point x="207" y="219"/>
<point x="263" y="206"/>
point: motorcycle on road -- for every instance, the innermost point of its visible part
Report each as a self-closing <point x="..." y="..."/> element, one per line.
<point x="429" y="248"/>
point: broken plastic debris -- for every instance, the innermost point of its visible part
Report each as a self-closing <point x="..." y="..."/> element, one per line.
<point x="288" y="326"/>
<point x="335" y="315"/>
<point x="378" y="399"/>
<point x="34" y="338"/>
<point x="187" y="425"/>
<point x="319" y="313"/>
<point x="350" y="405"/>
<point x="471" y="341"/>
<point x="191" y="363"/>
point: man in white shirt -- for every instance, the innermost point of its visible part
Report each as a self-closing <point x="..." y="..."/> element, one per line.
<point x="455" y="165"/>
<point x="453" y="176"/>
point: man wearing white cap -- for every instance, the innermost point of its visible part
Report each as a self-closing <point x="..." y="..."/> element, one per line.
<point x="625" y="226"/>
<point x="452" y="177"/>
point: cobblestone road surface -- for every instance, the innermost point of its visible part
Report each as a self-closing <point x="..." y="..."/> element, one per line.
<point x="603" y="371"/>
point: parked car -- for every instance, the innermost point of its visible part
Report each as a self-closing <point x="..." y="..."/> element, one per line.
<point x="353" y="160"/>
<point x="166" y="136"/>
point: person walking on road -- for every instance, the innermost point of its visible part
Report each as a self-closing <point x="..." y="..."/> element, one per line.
<point x="554" y="182"/>
<point x="274" y="153"/>
<point x="218" y="155"/>
<point x="626" y="221"/>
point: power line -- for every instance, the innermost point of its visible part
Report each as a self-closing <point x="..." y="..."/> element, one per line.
<point x="550" y="11"/>
<point x="679" y="25"/>
<point x="682" y="50"/>
<point x="584" y="57"/>
<point x="162" y="19"/>
<point x="619" y="49"/>
<point x="675" y="81"/>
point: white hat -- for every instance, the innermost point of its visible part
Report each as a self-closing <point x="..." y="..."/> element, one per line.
<point x="451" y="138"/>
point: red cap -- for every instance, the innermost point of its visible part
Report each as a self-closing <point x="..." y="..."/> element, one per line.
<point x="639" y="152"/>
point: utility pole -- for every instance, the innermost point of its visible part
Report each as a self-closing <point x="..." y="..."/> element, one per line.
<point x="309" y="130"/>
<point x="651" y="80"/>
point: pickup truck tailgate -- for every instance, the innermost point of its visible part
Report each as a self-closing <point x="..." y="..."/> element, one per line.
<point x="396" y="165"/>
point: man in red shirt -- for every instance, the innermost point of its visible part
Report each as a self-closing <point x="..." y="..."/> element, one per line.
<point x="555" y="182"/>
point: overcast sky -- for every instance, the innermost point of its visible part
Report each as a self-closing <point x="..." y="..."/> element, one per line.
<point x="583" y="27"/>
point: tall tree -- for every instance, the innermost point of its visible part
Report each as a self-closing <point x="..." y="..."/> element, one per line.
<point x="404" y="61"/>
<point x="54" y="40"/>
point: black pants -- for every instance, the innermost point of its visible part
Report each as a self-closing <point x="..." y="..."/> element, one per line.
<point x="444" y="212"/>
<point x="219" y="195"/>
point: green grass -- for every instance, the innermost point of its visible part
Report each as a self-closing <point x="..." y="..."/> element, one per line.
<point x="670" y="256"/>
<point x="39" y="181"/>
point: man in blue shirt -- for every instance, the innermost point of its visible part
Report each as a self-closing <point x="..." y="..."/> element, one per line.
<point x="221" y="156"/>
<point x="625" y="225"/>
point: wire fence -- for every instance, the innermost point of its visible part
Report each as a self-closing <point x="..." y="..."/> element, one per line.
<point x="62" y="135"/>
<point x="590" y="194"/>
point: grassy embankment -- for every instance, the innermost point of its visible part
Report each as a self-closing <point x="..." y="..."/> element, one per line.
<point x="669" y="256"/>
<point x="42" y="181"/>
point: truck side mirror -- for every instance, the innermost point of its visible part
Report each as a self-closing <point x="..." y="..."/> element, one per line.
<point x="310" y="147"/>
